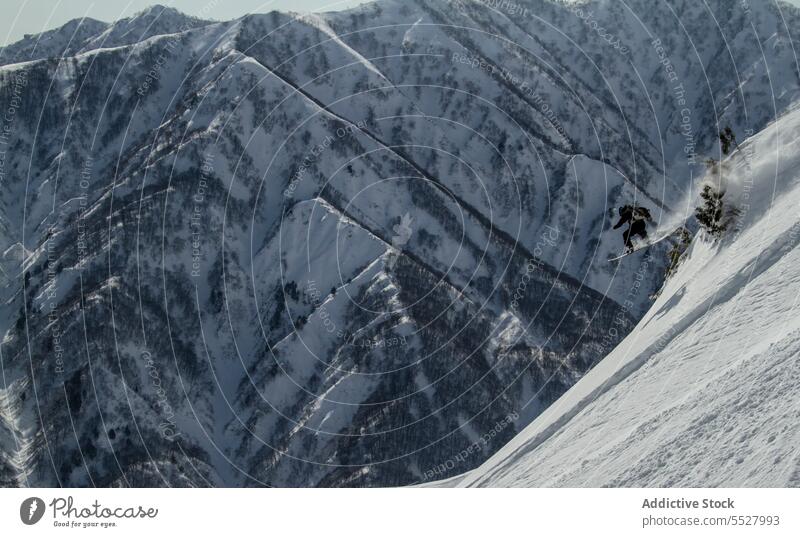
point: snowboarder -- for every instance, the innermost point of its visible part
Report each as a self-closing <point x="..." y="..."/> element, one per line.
<point x="636" y="218"/>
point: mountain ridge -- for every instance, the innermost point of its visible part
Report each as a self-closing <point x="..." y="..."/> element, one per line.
<point x="220" y="366"/>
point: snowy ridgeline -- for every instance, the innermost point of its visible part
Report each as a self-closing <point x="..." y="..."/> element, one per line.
<point x="704" y="391"/>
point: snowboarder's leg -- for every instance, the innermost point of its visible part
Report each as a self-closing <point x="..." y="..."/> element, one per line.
<point x="639" y="229"/>
<point x="627" y="238"/>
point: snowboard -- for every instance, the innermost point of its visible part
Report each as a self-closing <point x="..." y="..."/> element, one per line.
<point x="646" y="244"/>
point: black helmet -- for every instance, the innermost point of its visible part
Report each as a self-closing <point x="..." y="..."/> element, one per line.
<point x="644" y="213"/>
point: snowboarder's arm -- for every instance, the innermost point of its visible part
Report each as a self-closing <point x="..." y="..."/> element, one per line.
<point x="621" y="221"/>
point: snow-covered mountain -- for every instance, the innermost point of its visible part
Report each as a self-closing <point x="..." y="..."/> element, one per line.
<point x="703" y="392"/>
<point x="338" y="249"/>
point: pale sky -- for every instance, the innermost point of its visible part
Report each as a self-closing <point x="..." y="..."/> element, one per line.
<point x="34" y="16"/>
<point x="20" y="17"/>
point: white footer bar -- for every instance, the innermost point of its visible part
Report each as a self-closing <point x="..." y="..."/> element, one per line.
<point x="400" y="512"/>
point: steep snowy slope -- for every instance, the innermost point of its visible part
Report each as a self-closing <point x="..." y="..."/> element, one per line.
<point x="704" y="391"/>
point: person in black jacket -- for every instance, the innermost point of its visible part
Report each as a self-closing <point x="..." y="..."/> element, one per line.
<point x="636" y="218"/>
